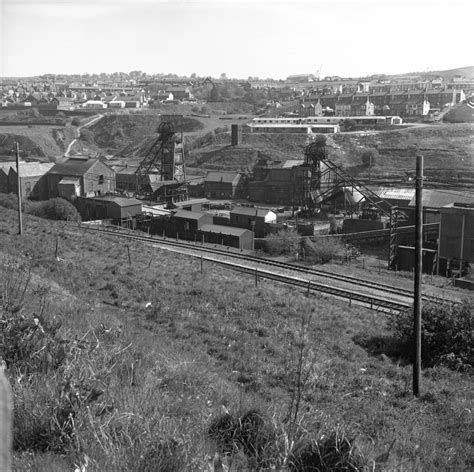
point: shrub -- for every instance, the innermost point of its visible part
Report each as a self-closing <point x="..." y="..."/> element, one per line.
<point x="54" y="209"/>
<point x="87" y="135"/>
<point x="333" y="452"/>
<point x="250" y="434"/>
<point x="76" y="121"/>
<point x="9" y="200"/>
<point x="447" y="335"/>
<point x="323" y="250"/>
<point x="285" y="242"/>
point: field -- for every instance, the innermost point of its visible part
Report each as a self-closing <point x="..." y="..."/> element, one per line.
<point x="145" y="356"/>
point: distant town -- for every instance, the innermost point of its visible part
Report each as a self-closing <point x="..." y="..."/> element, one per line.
<point x="427" y="96"/>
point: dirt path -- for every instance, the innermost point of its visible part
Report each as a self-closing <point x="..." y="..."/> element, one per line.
<point x="77" y="132"/>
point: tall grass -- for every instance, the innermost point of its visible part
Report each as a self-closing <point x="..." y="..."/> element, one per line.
<point x="105" y="379"/>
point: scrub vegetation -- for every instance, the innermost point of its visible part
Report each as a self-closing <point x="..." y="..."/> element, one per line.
<point x="152" y="366"/>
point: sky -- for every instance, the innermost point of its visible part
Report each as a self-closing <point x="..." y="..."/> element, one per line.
<point x="241" y="38"/>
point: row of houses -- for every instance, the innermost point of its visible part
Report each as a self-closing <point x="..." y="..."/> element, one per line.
<point x="91" y="96"/>
<point x="402" y="103"/>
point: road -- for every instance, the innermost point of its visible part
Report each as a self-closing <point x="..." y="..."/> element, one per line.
<point x="77" y="133"/>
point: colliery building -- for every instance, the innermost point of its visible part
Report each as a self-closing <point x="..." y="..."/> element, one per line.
<point x="118" y="210"/>
<point x="221" y="184"/>
<point x="33" y="179"/>
<point x="80" y="177"/>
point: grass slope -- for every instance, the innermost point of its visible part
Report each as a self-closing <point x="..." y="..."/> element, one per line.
<point x="208" y="342"/>
<point x="35" y="141"/>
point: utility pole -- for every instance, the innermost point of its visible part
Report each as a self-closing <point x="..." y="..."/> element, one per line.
<point x="418" y="273"/>
<point x="17" y="154"/>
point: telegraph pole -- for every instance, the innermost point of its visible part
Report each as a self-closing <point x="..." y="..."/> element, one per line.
<point x="418" y="275"/>
<point x="17" y="154"/>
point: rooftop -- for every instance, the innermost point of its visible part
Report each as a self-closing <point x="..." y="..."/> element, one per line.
<point x="249" y="211"/>
<point x="224" y="230"/>
<point x="34" y="169"/>
<point x="73" y="167"/>
<point x="188" y="215"/>
<point x="396" y="193"/>
<point x="441" y="198"/>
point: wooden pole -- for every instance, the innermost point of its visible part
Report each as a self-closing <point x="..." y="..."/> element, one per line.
<point x="129" y="257"/>
<point x="256" y="276"/>
<point x="201" y="265"/>
<point x="6" y="418"/>
<point x="17" y="158"/>
<point x="56" y="250"/>
<point x="418" y="269"/>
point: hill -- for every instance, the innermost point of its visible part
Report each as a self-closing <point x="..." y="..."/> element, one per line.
<point x="115" y="132"/>
<point x="152" y="365"/>
<point x="448" y="151"/>
<point x="35" y="140"/>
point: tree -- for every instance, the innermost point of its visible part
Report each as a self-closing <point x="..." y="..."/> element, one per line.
<point x="223" y="76"/>
<point x="349" y="125"/>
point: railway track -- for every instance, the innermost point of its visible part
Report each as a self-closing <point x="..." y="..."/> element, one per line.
<point x="386" y="300"/>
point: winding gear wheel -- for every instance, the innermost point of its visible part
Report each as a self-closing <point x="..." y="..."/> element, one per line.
<point x="166" y="130"/>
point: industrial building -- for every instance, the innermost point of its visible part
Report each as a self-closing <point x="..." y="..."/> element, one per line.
<point x="253" y="219"/>
<point x="80" y="177"/>
<point x="221" y="184"/>
<point x="226" y="235"/>
<point x="120" y="211"/>
<point x="293" y="128"/>
<point x="33" y="180"/>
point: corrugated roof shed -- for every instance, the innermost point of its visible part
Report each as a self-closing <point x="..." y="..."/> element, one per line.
<point x="396" y="193"/>
<point x="440" y="198"/>
<point x="220" y="229"/>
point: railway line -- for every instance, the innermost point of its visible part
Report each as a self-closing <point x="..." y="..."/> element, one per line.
<point x="376" y="295"/>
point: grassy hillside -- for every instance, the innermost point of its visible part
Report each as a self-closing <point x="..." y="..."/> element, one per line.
<point x="448" y="150"/>
<point x="35" y="141"/>
<point x="445" y="147"/>
<point x="134" y="365"/>
<point x="114" y="132"/>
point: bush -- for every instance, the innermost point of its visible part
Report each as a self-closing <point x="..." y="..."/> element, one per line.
<point x="53" y="209"/>
<point x="447" y="335"/>
<point x="87" y="135"/>
<point x="323" y="250"/>
<point x="76" y="121"/>
<point x="9" y="200"/>
<point x="328" y="453"/>
<point x="250" y="434"/>
<point x="285" y="242"/>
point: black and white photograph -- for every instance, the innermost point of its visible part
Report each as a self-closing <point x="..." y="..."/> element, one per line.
<point x="236" y="235"/>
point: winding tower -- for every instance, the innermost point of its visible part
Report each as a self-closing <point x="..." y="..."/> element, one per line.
<point x="162" y="172"/>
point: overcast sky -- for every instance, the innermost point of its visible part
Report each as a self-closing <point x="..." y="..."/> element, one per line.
<point x="238" y="37"/>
